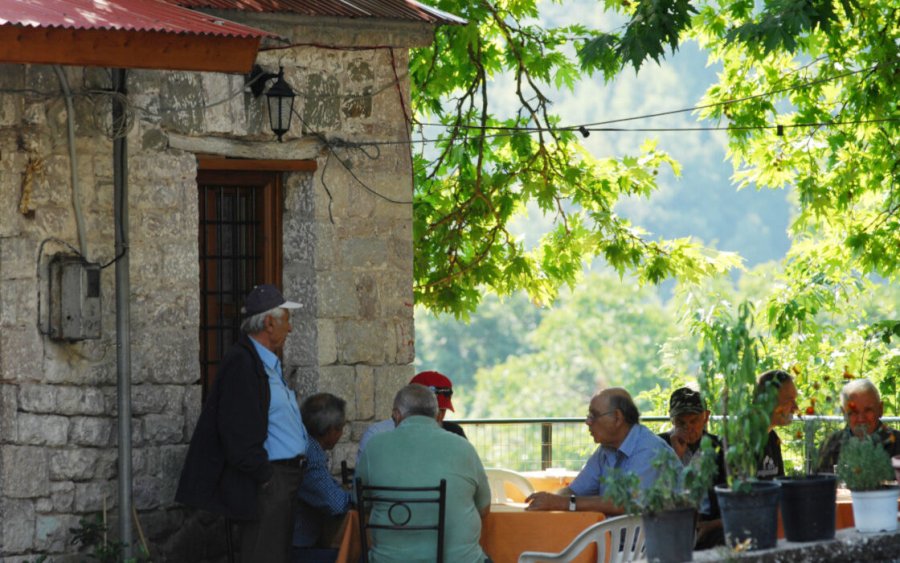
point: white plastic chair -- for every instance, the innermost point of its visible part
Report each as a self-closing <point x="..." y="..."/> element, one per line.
<point x="497" y="479"/>
<point x="618" y="540"/>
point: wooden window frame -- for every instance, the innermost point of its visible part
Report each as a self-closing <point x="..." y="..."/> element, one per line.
<point x="265" y="175"/>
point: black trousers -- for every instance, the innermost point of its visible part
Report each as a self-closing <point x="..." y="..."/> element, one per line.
<point x="269" y="539"/>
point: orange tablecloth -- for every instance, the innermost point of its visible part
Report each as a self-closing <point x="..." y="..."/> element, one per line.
<point x="350" y="548"/>
<point x="843" y="515"/>
<point x="504" y="534"/>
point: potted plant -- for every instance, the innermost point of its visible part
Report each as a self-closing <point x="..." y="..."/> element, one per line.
<point x="864" y="466"/>
<point x="669" y="505"/>
<point x="729" y="366"/>
<point x="807" y="497"/>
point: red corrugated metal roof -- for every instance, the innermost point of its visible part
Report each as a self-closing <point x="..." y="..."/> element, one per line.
<point x="119" y="15"/>
<point x="387" y="9"/>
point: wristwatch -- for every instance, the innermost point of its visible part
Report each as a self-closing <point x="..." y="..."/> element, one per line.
<point x="572" y="503"/>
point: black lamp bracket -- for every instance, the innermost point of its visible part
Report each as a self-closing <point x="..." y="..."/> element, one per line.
<point x="258" y="78"/>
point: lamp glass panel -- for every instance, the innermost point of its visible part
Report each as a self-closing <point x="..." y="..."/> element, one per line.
<point x="280" y="109"/>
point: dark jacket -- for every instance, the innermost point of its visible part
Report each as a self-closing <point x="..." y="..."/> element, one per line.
<point x="710" y="510"/>
<point x="831" y="450"/>
<point x="227" y="460"/>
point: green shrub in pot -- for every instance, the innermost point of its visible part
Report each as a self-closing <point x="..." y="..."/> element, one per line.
<point x="676" y="485"/>
<point x="729" y="367"/>
<point x="863" y="464"/>
<point x="669" y="504"/>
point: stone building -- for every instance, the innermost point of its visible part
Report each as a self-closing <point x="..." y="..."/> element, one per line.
<point x="214" y="205"/>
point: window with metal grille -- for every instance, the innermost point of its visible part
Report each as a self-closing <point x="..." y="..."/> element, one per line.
<point x="240" y="247"/>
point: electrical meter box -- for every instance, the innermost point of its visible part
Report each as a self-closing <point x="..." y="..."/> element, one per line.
<point x="74" y="298"/>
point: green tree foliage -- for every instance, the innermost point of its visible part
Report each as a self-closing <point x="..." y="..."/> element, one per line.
<point x="604" y="333"/>
<point x="808" y="92"/>
<point x="492" y="158"/>
<point x="498" y="330"/>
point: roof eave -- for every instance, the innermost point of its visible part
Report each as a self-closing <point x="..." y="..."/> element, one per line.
<point x="127" y="49"/>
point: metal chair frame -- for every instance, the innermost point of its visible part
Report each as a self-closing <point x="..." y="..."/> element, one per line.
<point x="369" y="495"/>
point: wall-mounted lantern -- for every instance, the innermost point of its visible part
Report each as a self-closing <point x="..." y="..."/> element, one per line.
<point x="279" y="98"/>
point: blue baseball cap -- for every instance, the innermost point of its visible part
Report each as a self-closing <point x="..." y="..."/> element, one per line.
<point x="265" y="298"/>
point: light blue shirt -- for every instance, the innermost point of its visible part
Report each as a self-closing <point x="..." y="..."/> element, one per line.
<point x="373" y="429"/>
<point x="634" y="455"/>
<point x="287" y="436"/>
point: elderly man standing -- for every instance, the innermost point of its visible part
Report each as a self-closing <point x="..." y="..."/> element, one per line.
<point x="248" y="450"/>
<point x="613" y="421"/>
<point x="419" y="453"/>
<point x="862" y="408"/>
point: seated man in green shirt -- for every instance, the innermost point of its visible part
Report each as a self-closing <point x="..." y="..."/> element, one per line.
<point x="419" y="453"/>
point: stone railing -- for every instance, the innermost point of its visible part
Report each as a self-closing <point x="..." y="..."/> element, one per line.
<point x="847" y="545"/>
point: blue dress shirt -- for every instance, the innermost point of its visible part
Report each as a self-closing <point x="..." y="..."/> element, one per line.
<point x="287" y="436"/>
<point x="634" y="455"/>
<point x="319" y="494"/>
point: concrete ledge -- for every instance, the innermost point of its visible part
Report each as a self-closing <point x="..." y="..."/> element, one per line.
<point x="306" y="148"/>
<point x="847" y="545"/>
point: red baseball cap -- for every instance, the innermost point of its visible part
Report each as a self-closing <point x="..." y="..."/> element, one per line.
<point x="440" y="384"/>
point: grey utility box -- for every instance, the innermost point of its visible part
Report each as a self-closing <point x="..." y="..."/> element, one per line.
<point x="74" y="298"/>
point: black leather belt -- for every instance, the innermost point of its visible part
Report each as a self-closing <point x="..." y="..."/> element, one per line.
<point x="297" y="461"/>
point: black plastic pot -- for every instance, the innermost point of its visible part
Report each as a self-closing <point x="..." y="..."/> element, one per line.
<point x="752" y="515"/>
<point x="669" y="536"/>
<point x="807" y="507"/>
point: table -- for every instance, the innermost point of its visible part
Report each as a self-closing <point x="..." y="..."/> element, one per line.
<point x="506" y="532"/>
<point x="350" y="549"/>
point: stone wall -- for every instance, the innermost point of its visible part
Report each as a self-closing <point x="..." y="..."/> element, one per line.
<point x="347" y="252"/>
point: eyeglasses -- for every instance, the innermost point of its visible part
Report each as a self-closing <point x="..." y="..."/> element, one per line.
<point x="445" y="391"/>
<point x="592" y="416"/>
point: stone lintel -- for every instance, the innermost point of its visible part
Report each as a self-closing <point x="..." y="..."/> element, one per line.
<point x="300" y="149"/>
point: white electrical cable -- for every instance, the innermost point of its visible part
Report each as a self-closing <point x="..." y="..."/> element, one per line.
<point x="73" y="160"/>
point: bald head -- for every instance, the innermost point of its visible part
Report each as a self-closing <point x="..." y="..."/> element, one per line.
<point x="611" y="415"/>
<point x="617" y="398"/>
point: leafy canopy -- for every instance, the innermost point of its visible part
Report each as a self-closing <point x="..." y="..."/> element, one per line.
<point x="808" y="90"/>
<point x="493" y="158"/>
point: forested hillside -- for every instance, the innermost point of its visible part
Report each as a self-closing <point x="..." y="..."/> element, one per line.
<point x="758" y="161"/>
<point x="607" y="331"/>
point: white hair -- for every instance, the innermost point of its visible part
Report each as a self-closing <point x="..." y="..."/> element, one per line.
<point x="415" y="399"/>
<point x="858" y="386"/>
<point x="256" y="323"/>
